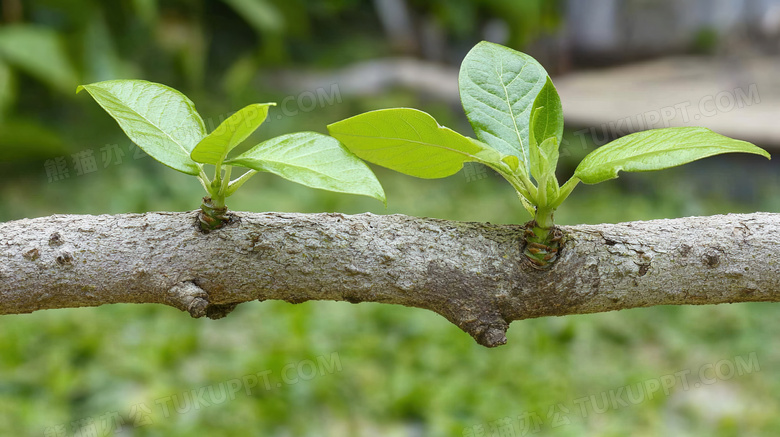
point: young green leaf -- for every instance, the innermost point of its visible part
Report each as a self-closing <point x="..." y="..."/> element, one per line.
<point x="657" y="149"/>
<point x="411" y="142"/>
<point x="547" y="115"/>
<point x="498" y="86"/>
<point x="512" y="161"/>
<point x="162" y="121"/>
<point x="230" y="133"/>
<point x="538" y="160"/>
<point x="314" y="160"/>
<point x="553" y="188"/>
<point x="544" y="158"/>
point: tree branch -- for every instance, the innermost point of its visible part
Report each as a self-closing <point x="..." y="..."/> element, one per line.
<point x="474" y="274"/>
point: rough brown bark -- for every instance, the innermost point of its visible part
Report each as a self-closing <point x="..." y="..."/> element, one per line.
<point x="474" y="274"/>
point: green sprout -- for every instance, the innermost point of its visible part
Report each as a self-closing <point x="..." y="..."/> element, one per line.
<point x="164" y="123"/>
<point x="516" y="113"/>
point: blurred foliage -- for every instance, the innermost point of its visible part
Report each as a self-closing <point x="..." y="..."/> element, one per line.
<point x="48" y="47"/>
<point x="524" y="19"/>
<point x="404" y="372"/>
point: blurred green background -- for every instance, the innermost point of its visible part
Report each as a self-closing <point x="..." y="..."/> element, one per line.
<point x="381" y="370"/>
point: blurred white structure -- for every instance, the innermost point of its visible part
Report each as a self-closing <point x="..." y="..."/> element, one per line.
<point x="615" y="28"/>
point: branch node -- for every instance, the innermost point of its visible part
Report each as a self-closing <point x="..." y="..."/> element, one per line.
<point x="211" y="217"/>
<point x="541" y="245"/>
<point x="491" y="335"/>
<point x="215" y="312"/>
<point x="488" y="331"/>
<point x="188" y="297"/>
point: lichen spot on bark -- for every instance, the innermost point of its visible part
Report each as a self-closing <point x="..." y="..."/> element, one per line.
<point x="64" y="259"/>
<point x="55" y="239"/>
<point x="32" y="254"/>
<point x="711" y="258"/>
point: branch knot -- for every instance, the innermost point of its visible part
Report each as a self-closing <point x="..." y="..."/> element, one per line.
<point x="188" y="297"/>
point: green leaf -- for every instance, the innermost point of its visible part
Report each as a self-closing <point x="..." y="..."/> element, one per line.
<point x="547" y="118"/>
<point x="498" y="86"/>
<point x="314" y="160"/>
<point x="538" y="160"/>
<point x="549" y="149"/>
<point x="38" y="51"/>
<point x="544" y="158"/>
<point x="512" y="161"/>
<point x="657" y="149"/>
<point x="411" y="142"/>
<point x="553" y="188"/>
<point x="230" y="133"/>
<point x="162" y="121"/>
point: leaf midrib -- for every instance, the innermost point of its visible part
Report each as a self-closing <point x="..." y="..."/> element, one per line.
<point x="186" y="153"/>
<point x="288" y="165"/>
<point x="422" y="143"/>
<point x="643" y="155"/>
<point x="509" y="104"/>
<point x="229" y="145"/>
